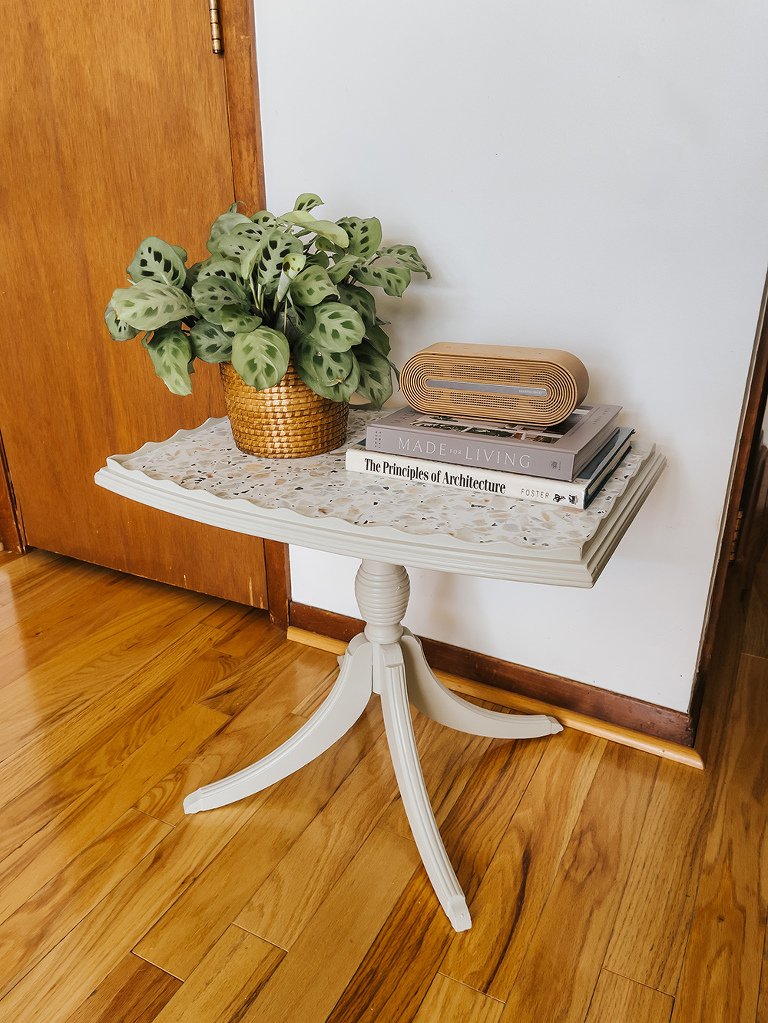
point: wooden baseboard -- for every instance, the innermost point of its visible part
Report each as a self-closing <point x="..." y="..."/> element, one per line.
<point x="656" y="724"/>
<point x="523" y="704"/>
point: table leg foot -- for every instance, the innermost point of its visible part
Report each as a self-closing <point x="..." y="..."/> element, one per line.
<point x="340" y="710"/>
<point x="405" y="757"/>
<point x="428" y="694"/>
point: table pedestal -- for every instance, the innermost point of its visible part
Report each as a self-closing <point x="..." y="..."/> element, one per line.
<point x="388" y="660"/>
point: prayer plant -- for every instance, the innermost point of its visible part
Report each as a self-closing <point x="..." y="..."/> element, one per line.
<point x="273" y="288"/>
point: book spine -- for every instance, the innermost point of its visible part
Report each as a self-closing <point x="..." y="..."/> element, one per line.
<point x="475" y="454"/>
<point x="480" y="481"/>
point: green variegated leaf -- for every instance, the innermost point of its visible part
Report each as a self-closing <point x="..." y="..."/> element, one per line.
<point x="151" y="304"/>
<point x="393" y="279"/>
<point x="337" y="326"/>
<point x="307" y="201"/>
<point x="319" y="259"/>
<point x="218" y="266"/>
<point x="212" y="294"/>
<point x="326" y="228"/>
<point x="156" y="260"/>
<point x="239" y="241"/>
<point x="210" y="343"/>
<point x="312" y="286"/>
<point x="334" y="375"/>
<point x="261" y="357"/>
<point x="223" y="225"/>
<point x="378" y="339"/>
<point x="364" y="235"/>
<point x="326" y="245"/>
<point x="294" y="264"/>
<point x="343" y="266"/>
<point x="194" y="271"/>
<point x="405" y="255"/>
<point x="264" y="219"/>
<point x="274" y="248"/>
<point x="236" y="322"/>
<point x="119" y="330"/>
<point x="375" y="375"/>
<point x="171" y="354"/>
<point x="360" y="300"/>
<point x="181" y="253"/>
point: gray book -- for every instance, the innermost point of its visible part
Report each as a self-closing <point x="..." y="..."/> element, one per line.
<point x="556" y="452"/>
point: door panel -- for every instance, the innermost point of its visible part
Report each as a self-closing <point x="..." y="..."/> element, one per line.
<point x="115" y="121"/>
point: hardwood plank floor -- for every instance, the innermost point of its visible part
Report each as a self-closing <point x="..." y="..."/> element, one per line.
<point x="605" y="885"/>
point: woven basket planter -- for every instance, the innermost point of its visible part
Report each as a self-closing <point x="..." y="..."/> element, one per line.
<point x="285" y="421"/>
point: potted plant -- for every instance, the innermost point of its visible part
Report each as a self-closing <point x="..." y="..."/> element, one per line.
<point x="283" y="304"/>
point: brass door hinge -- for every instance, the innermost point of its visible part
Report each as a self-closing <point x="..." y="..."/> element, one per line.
<point x="736" y="536"/>
<point x="213" y="8"/>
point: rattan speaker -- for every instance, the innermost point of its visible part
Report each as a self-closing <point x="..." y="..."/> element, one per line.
<point x="535" y="386"/>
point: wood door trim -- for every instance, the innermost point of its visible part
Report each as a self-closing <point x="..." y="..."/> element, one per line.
<point x="277" y="563"/>
<point x="242" y="86"/>
<point x="11" y="528"/>
<point x="745" y="467"/>
<point x="614" y="708"/>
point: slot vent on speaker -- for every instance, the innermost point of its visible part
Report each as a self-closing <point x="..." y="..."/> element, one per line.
<point x="529" y="385"/>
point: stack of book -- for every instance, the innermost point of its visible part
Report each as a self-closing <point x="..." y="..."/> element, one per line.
<point x="566" y="464"/>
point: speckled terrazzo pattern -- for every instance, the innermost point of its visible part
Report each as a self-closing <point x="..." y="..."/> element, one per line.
<point x="321" y="488"/>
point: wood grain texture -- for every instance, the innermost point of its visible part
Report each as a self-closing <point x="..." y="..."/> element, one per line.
<point x="282" y="906"/>
<point x="724" y="952"/>
<point x="575" y="925"/>
<point x="618" y="1000"/>
<point x="649" y="947"/>
<point x="396" y="973"/>
<point x="449" y="1000"/>
<point x="308" y="983"/>
<point x="33" y="863"/>
<point x="11" y="526"/>
<point x="33" y="930"/>
<point x="183" y="936"/>
<point x="242" y="89"/>
<point x="251" y="734"/>
<point x="227" y="981"/>
<point x="134" y="992"/>
<point x="119" y="921"/>
<point x="623" y="711"/>
<point x="86" y="132"/>
<point x="603" y="882"/>
<point x="518" y="881"/>
<point x="48" y="774"/>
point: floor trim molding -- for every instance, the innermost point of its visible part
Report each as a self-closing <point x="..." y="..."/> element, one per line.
<point x="570" y="719"/>
<point x="656" y="725"/>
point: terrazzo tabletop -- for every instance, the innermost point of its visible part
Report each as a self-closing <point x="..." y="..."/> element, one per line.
<point x="315" y="501"/>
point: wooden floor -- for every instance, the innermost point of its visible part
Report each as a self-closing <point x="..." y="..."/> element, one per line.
<point x="605" y="885"/>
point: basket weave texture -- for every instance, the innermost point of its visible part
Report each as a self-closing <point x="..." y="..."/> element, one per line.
<point x="285" y="421"/>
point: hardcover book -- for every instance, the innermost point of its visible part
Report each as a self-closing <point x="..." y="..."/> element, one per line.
<point x="555" y="452"/>
<point x="577" y="494"/>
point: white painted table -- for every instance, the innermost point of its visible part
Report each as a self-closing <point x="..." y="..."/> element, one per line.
<point x="390" y="525"/>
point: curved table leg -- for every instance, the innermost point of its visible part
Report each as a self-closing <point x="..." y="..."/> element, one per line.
<point x="340" y="710"/>
<point x="405" y="757"/>
<point x="428" y="694"/>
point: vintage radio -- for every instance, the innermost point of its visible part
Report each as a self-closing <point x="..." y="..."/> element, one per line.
<point x="535" y="386"/>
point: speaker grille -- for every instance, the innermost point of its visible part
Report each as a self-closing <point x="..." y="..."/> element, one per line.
<point x="430" y="382"/>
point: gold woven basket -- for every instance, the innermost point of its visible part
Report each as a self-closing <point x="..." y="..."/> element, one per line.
<point x="285" y="421"/>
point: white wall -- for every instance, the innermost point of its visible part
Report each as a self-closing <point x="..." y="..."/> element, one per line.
<point x="578" y="174"/>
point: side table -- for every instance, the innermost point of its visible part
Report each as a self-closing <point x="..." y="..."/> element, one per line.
<point x="390" y="525"/>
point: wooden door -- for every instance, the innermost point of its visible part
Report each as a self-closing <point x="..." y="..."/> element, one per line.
<point x="115" y="126"/>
